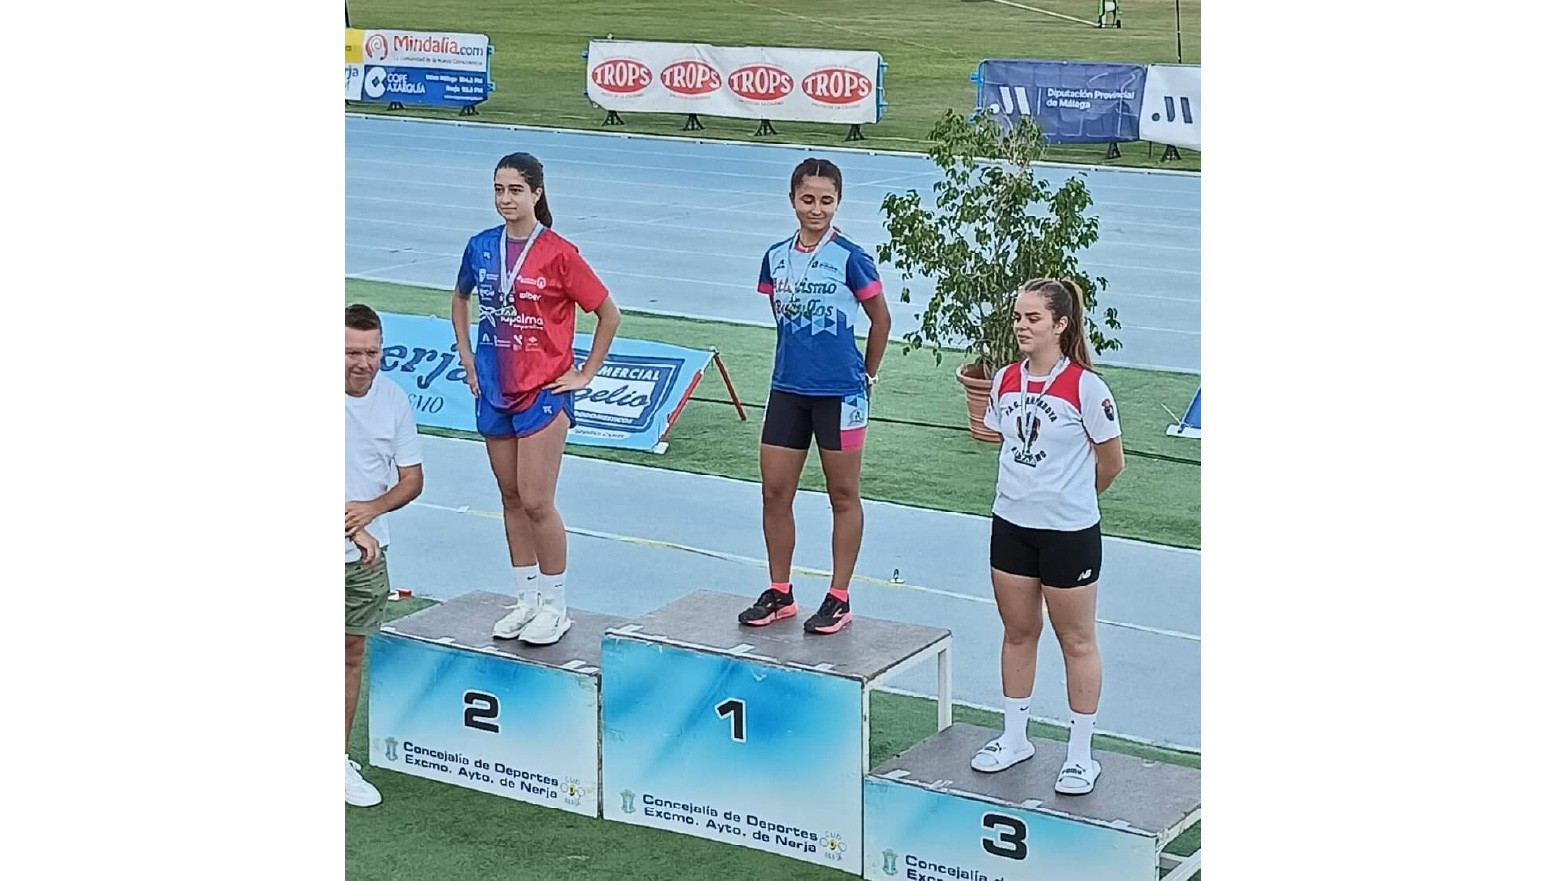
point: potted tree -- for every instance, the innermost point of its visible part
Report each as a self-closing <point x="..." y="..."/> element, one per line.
<point x="995" y="224"/>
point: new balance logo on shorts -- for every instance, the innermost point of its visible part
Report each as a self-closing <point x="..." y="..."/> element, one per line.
<point x="1085" y="574"/>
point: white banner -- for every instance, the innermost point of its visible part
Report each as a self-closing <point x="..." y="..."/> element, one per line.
<point x="1172" y="106"/>
<point x="805" y="85"/>
<point x="421" y="49"/>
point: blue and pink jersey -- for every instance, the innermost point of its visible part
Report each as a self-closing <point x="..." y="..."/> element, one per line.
<point x="816" y="296"/>
<point x="525" y="338"/>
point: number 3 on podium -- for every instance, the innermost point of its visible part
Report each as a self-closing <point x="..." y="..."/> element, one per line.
<point x="735" y="708"/>
<point x="1011" y="836"/>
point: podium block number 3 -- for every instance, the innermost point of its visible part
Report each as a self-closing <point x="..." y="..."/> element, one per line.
<point x="735" y="709"/>
<point x="482" y="711"/>
<point x="1011" y="836"/>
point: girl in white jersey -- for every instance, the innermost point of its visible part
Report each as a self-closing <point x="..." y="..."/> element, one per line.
<point x="1061" y="447"/>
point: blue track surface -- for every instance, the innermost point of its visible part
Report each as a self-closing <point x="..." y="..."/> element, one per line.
<point x="679" y="226"/>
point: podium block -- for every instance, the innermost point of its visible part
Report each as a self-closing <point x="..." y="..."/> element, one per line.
<point x="928" y="815"/>
<point x="448" y="702"/>
<point x="757" y="736"/>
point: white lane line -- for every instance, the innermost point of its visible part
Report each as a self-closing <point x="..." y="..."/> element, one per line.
<point x="813" y="573"/>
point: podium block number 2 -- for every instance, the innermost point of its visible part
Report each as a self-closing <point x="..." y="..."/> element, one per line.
<point x="735" y="709"/>
<point x="482" y="711"/>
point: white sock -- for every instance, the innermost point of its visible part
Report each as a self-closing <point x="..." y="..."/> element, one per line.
<point x="1017" y="713"/>
<point x="1079" y="737"/>
<point x="553" y="592"/>
<point x="526" y="582"/>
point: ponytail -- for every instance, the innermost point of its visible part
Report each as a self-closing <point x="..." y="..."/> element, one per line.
<point x="1075" y="342"/>
<point x="543" y="212"/>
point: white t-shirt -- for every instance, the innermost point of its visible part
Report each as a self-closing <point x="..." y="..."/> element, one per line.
<point x="379" y="435"/>
<point x="1049" y="482"/>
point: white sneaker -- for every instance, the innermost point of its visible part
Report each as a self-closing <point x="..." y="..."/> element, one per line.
<point x="510" y="626"/>
<point x="997" y="755"/>
<point x="547" y="626"/>
<point x="1077" y="778"/>
<point x="357" y="790"/>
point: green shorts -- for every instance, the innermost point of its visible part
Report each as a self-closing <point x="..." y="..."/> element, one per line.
<point x="365" y="596"/>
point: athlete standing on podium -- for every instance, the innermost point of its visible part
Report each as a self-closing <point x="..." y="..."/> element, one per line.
<point x="528" y="281"/>
<point x="816" y="282"/>
<point x="1062" y="447"/>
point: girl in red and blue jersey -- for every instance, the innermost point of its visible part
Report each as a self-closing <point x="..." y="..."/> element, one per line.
<point x="528" y="281"/>
<point x="817" y="281"/>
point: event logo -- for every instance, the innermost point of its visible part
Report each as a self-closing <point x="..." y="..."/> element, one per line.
<point x="391" y="749"/>
<point x="761" y="82"/>
<point x="1170" y="110"/>
<point x="375" y="82"/>
<point x="573" y="791"/>
<point x="377" y="48"/>
<point x="621" y="76"/>
<point x="690" y="77"/>
<point x="888" y="862"/>
<point x="627" y="801"/>
<point x="832" y="846"/>
<point x="837" y="86"/>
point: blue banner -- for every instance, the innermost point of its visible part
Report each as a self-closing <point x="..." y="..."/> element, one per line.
<point x="1073" y="102"/>
<point x="413" y="85"/>
<point x="416" y="67"/>
<point x="631" y="404"/>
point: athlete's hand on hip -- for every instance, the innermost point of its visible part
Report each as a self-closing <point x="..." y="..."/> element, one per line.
<point x="356" y="515"/>
<point x="472" y="376"/>
<point x="572" y="381"/>
<point x="370" y="550"/>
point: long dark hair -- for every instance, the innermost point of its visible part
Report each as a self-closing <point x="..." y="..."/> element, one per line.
<point x="530" y="170"/>
<point x="1065" y="300"/>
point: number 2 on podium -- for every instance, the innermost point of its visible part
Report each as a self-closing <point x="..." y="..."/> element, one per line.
<point x="735" y="708"/>
<point x="482" y="711"/>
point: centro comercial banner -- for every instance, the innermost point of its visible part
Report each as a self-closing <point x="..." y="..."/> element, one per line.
<point x="631" y="404"/>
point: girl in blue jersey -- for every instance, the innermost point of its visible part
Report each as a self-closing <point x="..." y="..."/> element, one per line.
<point x="817" y="281"/>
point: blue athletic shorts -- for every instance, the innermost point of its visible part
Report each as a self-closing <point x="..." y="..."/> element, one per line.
<point x="496" y="422"/>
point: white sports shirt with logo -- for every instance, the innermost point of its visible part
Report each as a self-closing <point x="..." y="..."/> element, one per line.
<point x="1049" y="483"/>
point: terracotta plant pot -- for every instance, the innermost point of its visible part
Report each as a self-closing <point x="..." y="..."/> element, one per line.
<point x="971" y="377"/>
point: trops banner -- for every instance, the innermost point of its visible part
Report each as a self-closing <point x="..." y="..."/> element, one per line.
<point x="631" y="404"/>
<point x="809" y="85"/>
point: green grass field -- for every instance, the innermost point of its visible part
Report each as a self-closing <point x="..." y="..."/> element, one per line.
<point x="918" y="451"/>
<point x="429" y="830"/>
<point x="931" y="48"/>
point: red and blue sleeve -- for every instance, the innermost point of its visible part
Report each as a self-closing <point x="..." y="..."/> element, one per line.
<point x="581" y="284"/>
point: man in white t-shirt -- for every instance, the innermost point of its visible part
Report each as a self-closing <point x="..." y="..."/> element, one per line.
<point x="383" y="471"/>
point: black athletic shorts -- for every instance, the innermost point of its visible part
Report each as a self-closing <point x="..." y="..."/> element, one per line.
<point x="1058" y="558"/>
<point x="837" y="422"/>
